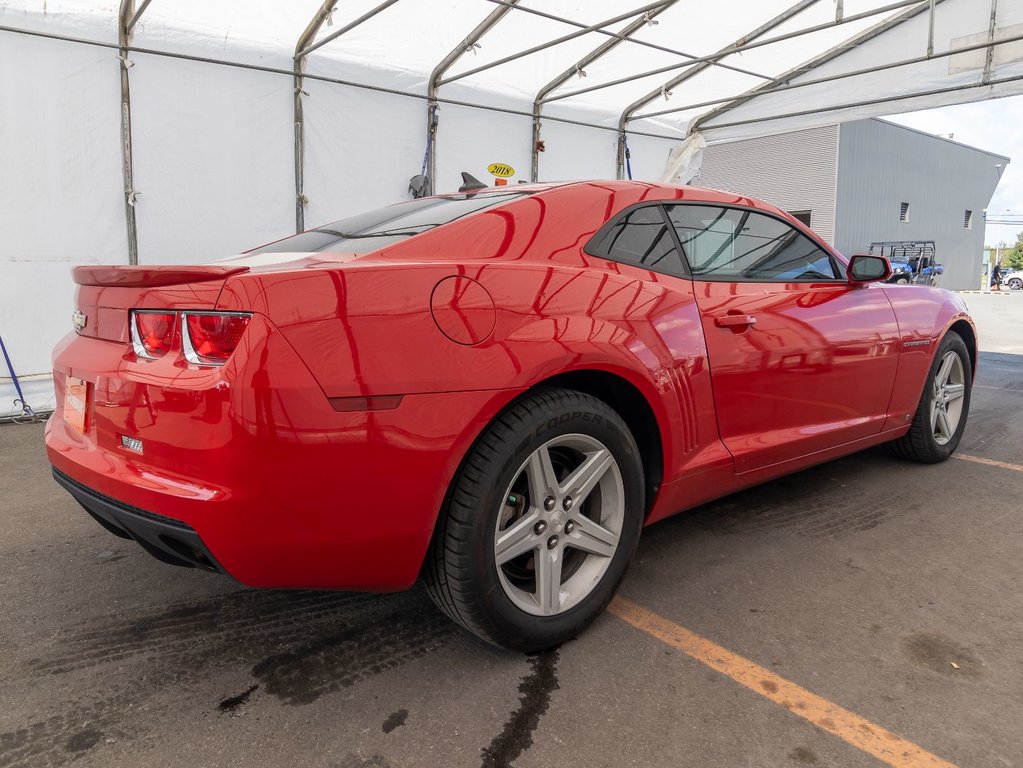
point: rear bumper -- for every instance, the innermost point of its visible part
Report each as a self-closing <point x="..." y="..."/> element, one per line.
<point x="251" y="467"/>
<point x="165" y="538"/>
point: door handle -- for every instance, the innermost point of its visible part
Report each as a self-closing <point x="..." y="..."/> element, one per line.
<point x="735" y="321"/>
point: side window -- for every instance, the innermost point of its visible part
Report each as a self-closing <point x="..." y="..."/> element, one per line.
<point x="641" y="238"/>
<point x="738" y="244"/>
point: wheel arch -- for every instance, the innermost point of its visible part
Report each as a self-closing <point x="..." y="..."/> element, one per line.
<point x="966" y="332"/>
<point x="629" y="402"/>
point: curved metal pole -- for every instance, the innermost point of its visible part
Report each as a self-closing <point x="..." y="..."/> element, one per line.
<point x="438" y="72"/>
<point x="783" y="86"/>
<point x="303" y="48"/>
<point x="298" y="66"/>
<point x="127" y="18"/>
<point x="992" y="27"/>
<point x="579" y="66"/>
<point x="309" y="48"/>
<point x="130" y="25"/>
<point x="882" y="100"/>
<point x="690" y="58"/>
<point x="657" y="5"/>
<point x="745" y="47"/>
<point x="696" y="69"/>
<point x="809" y="66"/>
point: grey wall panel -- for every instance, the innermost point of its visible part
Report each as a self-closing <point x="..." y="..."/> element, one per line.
<point x="882" y="165"/>
<point x="795" y="171"/>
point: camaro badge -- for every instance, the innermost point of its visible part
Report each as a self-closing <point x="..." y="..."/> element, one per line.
<point x="79" y="319"/>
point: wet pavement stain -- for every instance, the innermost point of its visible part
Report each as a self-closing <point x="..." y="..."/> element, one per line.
<point x="812" y="503"/>
<point x="83" y="740"/>
<point x="337" y="661"/>
<point x="395" y="720"/>
<point x="232" y="703"/>
<point x="59" y="738"/>
<point x="517" y="735"/>
<point x="303" y="644"/>
<point x="937" y="653"/>
<point x="803" y="756"/>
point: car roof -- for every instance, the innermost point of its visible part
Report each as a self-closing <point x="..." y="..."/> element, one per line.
<point x="655" y="192"/>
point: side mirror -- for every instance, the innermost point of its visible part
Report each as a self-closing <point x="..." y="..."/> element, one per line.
<point x="864" y="268"/>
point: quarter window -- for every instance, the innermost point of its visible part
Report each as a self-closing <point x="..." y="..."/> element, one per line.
<point x="739" y="244"/>
<point x="372" y="230"/>
<point x="642" y="238"/>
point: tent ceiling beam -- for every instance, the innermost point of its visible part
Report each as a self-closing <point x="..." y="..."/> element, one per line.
<point x="871" y="102"/>
<point x="992" y="26"/>
<point x="130" y="25"/>
<point x="298" y="66"/>
<point x="127" y="18"/>
<point x="789" y="13"/>
<point x="580" y="67"/>
<point x="309" y="47"/>
<point x="839" y="76"/>
<point x="833" y="53"/>
<point x="435" y="81"/>
<point x="739" y="49"/>
<point x="559" y="40"/>
<point x="690" y="58"/>
<point x="930" y="27"/>
<point x="319" y="78"/>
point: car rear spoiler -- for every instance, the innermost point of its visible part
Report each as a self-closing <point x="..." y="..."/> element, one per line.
<point x="138" y="276"/>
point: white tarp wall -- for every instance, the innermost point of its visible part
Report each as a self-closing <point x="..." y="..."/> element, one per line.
<point x="213" y="144"/>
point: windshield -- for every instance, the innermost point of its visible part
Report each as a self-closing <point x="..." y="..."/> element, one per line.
<point x="375" y="229"/>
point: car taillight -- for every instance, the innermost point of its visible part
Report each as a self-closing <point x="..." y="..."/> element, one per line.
<point x="210" y="338"/>
<point x="152" y="332"/>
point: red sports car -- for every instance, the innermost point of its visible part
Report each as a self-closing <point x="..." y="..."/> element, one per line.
<point x="494" y="391"/>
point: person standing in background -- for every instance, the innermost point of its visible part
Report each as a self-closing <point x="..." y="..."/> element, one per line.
<point x="996" y="277"/>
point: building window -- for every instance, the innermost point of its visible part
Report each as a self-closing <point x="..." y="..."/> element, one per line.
<point x="968" y="220"/>
<point x="803" y="217"/>
<point x="904" y="212"/>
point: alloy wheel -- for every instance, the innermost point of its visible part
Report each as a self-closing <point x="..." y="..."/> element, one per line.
<point x="947" y="404"/>
<point x="560" y="524"/>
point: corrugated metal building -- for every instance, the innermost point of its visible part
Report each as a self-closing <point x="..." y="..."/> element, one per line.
<point x="868" y="181"/>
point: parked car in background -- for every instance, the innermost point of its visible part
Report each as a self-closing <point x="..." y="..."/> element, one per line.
<point x="1012" y="278"/>
<point x="491" y="391"/>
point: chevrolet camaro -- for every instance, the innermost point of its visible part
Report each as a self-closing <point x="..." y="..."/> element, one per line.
<point x="493" y="391"/>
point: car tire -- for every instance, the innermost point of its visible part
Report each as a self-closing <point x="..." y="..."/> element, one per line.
<point x="525" y="572"/>
<point x="902" y="281"/>
<point x="1016" y="283"/>
<point x="940" y="418"/>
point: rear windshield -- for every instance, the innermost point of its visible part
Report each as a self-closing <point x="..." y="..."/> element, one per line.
<point x="371" y="230"/>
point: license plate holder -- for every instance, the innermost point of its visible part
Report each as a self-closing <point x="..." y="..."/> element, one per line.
<point x="76" y="403"/>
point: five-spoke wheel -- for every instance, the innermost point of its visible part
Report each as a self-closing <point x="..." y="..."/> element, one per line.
<point x="560" y="524"/>
<point x="940" y="417"/>
<point x="949" y="385"/>
<point x="541" y="521"/>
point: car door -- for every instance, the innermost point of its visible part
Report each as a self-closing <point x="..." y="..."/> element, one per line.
<point x="647" y="293"/>
<point x="801" y="360"/>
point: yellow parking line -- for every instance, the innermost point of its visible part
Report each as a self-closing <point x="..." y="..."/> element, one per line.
<point x="988" y="462"/>
<point x="848" y="726"/>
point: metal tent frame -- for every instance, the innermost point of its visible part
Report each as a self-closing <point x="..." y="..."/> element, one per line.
<point x="638" y="18"/>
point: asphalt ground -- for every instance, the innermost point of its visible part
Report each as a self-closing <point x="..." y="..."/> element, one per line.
<point x="861" y="613"/>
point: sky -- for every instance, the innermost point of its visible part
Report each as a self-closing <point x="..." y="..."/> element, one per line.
<point x="995" y="125"/>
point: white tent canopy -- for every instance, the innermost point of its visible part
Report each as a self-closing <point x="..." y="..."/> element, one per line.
<point x="169" y="131"/>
